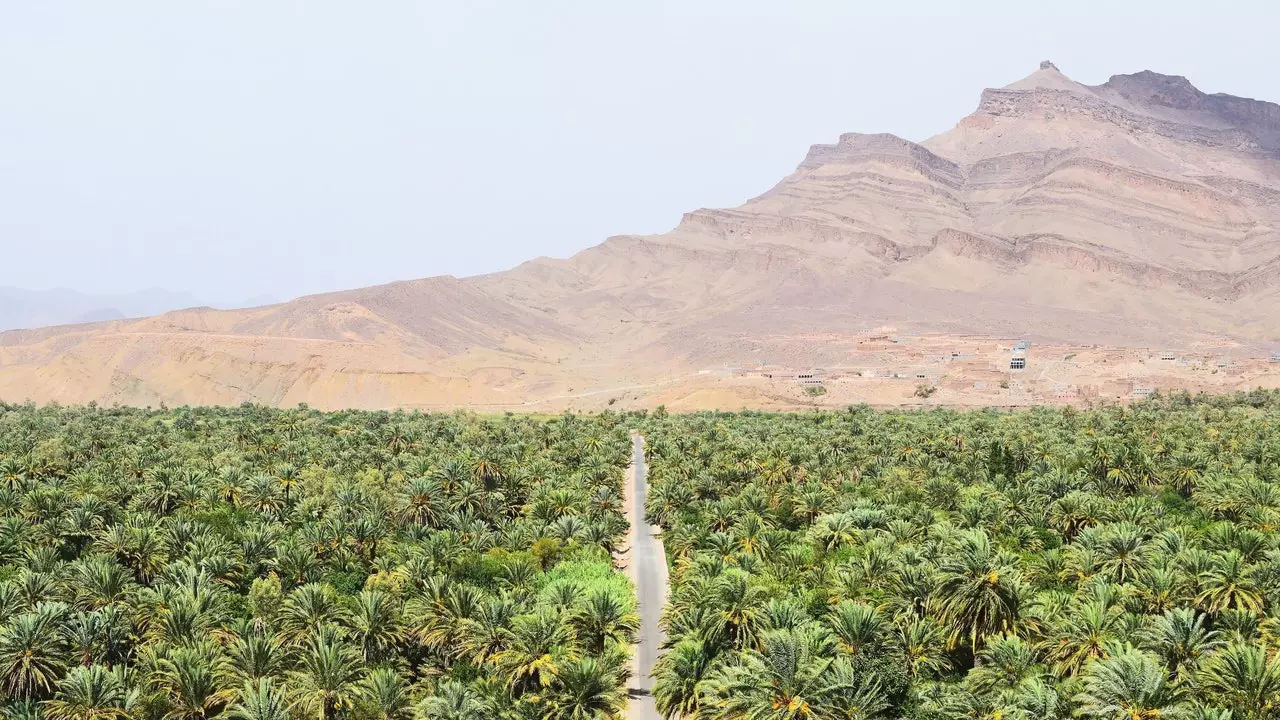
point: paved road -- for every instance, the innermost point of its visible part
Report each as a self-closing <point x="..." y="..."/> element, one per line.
<point x="649" y="568"/>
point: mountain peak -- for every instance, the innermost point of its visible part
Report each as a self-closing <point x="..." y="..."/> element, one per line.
<point x="1153" y="88"/>
<point x="1048" y="76"/>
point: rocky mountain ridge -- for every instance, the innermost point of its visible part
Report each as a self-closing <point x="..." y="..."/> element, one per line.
<point x="1139" y="211"/>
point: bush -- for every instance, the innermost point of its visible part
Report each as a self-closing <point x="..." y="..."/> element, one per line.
<point x="924" y="391"/>
<point x="346" y="583"/>
<point x="815" y="390"/>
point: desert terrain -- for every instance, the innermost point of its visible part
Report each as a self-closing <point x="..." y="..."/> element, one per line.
<point x="1106" y="227"/>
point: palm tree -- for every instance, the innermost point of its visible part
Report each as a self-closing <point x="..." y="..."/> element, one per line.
<point x="254" y="657"/>
<point x="261" y="699"/>
<point x="833" y="531"/>
<point x="102" y="581"/>
<point x="855" y="624"/>
<point x="375" y="623"/>
<point x="1180" y="638"/>
<point x="1006" y="662"/>
<point x="82" y="634"/>
<point x="453" y="701"/>
<point x="487" y="634"/>
<point x="1244" y="678"/>
<point x="328" y="672"/>
<point x="678" y="675"/>
<point x="422" y="501"/>
<point x="1129" y="685"/>
<point x="585" y="689"/>
<point x="603" y="619"/>
<point x="32" y="652"/>
<point x="976" y="594"/>
<point x="541" y="643"/>
<point x="1122" y="552"/>
<point x="786" y="681"/>
<point x="739" y="600"/>
<point x="1082" y="634"/>
<point x="1230" y="583"/>
<point x="386" y="694"/>
<point x="89" y="693"/>
<point x="921" y="642"/>
<point x="192" y="679"/>
<point x="308" y="609"/>
<point x="1033" y="699"/>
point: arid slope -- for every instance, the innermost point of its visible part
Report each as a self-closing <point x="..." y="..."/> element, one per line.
<point x="1137" y="212"/>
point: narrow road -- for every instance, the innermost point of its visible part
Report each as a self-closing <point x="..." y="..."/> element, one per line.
<point x="648" y="569"/>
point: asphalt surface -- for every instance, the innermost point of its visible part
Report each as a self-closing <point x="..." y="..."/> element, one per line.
<point x="650" y="573"/>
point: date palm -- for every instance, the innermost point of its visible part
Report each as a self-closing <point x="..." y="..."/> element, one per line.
<point x="1034" y="699"/>
<point x="739" y="601"/>
<point x="585" y="689"/>
<point x="1129" y="685"/>
<point x="922" y="643"/>
<point x="328" y="673"/>
<point x="254" y="657"/>
<point x="604" y="618"/>
<point x="308" y="609"/>
<point x="89" y="693"/>
<point x="1006" y="662"/>
<point x="422" y="501"/>
<point x="781" y="682"/>
<point x="541" y="642"/>
<point x="386" y="695"/>
<point x="32" y="652"/>
<point x="193" y="678"/>
<point x="976" y="593"/>
<point x="488" y="633"/>
<point x="1230" y="583"/>
<point x="83" y="634"/>
<point x="375" y="623"/>
<point x="857" y="625"/>
<point x="453" y="701"/>
<point x="261" y="699"/>
<point x="678" y="675"/>
<point x="1083" y="633"/>
<point x="1122" y="552"/>
<point x="1244" y="678"/>
<point x="100" y="581"/>
<point x="1180" y="638"/>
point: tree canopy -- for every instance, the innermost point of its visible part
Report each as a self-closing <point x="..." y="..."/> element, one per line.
<point x="266" y="564"/>
<point x="1112" y="563"/>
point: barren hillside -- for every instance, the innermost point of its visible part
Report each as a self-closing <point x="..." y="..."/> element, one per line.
<point x="1139" y="212"/>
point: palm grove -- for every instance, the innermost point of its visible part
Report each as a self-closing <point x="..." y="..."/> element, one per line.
<point x="1115" y="563"/>
<point x="269" y="564"/>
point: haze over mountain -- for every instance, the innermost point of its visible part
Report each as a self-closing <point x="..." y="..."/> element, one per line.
<point x="24" y="309"/>
<point x="21" y="308"/>
<point x="1139" y="211"/>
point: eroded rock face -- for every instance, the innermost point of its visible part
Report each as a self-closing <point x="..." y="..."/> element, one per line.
<point x="1139" y="211"/>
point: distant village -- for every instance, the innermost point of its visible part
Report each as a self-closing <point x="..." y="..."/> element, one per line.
<point x="947" y="368"/>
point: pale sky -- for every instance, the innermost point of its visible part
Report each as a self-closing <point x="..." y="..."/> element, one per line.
<point x="234" y="149"/>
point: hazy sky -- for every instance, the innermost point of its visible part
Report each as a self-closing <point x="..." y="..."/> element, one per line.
<point x="239" y="148"/>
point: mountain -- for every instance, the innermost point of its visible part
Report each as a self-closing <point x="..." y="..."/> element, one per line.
<point x="21" y="308"/>
<point x="1137" y="212"/>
